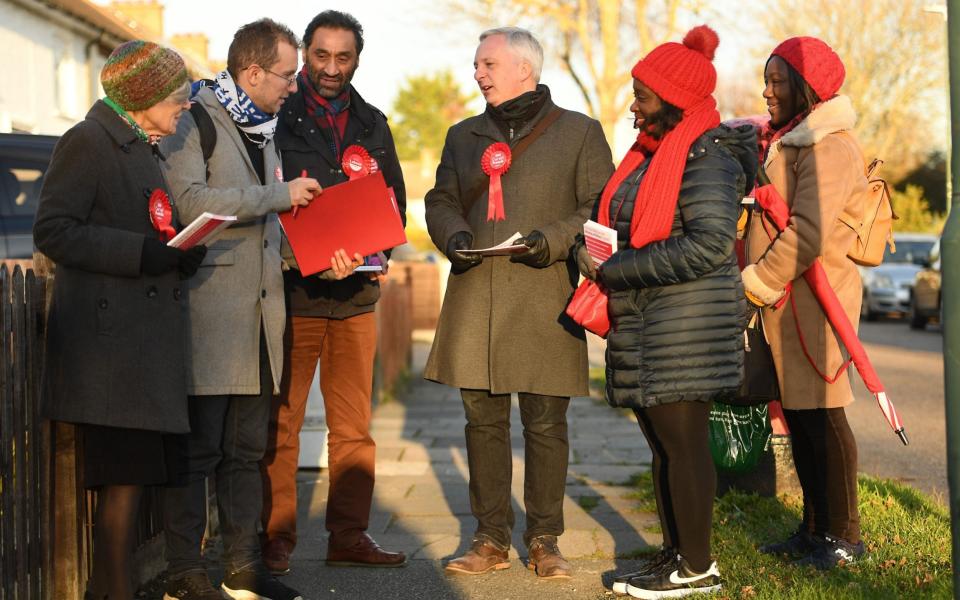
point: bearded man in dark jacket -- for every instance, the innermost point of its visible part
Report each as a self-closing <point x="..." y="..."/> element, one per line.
<point x="502" y="328"/>
<point x="329" y="320"/>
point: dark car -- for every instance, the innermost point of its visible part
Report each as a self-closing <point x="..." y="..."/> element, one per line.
<point x="23" y="162"/>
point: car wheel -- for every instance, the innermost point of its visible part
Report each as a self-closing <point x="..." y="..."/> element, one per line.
<point x="916" y="320"/>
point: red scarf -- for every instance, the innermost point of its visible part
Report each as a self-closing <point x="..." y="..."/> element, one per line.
<point x="768" y="136"/>
<point x="330" y="115"/>
<point x="659" y="190"/>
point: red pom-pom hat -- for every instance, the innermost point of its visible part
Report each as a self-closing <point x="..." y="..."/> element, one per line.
<point x="681" y="73"/>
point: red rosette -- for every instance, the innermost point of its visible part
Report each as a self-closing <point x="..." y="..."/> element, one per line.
<point x="495" y="162"/>
<point x="358" y="163"/>
<point x="161" y="214"/>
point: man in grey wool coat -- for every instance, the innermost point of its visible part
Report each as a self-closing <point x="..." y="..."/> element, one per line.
<point x="502" y="328"/>
<point x="237" y="313"/>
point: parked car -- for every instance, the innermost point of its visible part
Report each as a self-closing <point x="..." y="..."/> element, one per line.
<point x="925" y="300"/>
<point x="23" y="162"/>
<point x="887" y="287"/>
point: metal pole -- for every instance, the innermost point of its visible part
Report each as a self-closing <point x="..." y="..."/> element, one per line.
<point x="950" y="261"/>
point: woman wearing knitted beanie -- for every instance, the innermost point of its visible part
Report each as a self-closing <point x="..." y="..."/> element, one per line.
<point x="117" y="322"/>
<point x="675" y="298"/>
<point x="815" y="164"/>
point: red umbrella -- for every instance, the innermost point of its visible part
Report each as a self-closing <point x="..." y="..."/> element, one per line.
<point x="775" y="206"/>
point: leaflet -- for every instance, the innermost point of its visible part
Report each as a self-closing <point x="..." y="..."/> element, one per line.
<point x="203" y="230"/>
<point x="506" y="248"/>
<point x="601" y="241"/>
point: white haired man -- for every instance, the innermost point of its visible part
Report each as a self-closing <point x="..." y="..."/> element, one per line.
<point x="551" y="165"/>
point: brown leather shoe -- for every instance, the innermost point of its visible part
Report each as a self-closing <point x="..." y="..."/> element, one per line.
<point x="363" y="553"/>
<point x="276" y="556"/>
<point x="545" y="559"/>
<point x="482" y="557"/>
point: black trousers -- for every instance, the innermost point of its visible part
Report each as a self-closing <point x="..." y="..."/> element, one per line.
<point x="825" y="455"/>
<point x="490" y="460"/>
<point x="227" y="439"/>
<point x="684" y="479"/>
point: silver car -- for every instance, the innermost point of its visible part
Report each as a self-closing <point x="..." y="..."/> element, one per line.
<point x="887" y="287"/>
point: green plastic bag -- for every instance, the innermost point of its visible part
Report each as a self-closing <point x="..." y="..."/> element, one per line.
<point x="738" y="436"/>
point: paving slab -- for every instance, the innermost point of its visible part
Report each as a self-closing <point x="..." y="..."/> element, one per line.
<point x="422" y="506"/>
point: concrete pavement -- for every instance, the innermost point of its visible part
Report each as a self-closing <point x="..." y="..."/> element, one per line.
<point x="910" y="365"/>
<point x="422" y="507"/>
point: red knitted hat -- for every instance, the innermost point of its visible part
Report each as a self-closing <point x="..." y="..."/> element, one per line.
<point x="681" y="74"/>
<point x="816" y="62"/>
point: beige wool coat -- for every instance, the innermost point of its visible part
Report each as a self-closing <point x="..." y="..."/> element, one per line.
<point x="818" y="168"/>
<point x="502" y="326"/>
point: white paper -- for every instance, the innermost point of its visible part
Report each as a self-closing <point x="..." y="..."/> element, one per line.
<point x="505" y="248"/>
<point x="601" y="241"/>
<point x="369" y="269"/>
<point x="203" y="230"/>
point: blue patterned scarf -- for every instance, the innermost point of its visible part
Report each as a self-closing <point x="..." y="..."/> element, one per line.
<point x="248" y="117"/>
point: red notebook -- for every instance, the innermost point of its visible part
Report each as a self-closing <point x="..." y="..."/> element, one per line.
<point x="360" y="216"/>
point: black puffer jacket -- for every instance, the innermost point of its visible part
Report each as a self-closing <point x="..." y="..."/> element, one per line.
<point x="676" y="305"/>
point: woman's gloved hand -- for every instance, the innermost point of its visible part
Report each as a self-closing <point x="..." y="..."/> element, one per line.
<point x="157" y="258"/>
<point x="462" y="240"/>
<point x="538" y="252"/>
<point x="585" y="263"/>
<point x="190" y="261"/>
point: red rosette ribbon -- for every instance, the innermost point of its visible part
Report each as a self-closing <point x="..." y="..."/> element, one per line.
<point x="495" y="162"/>
<point x="161" y="214"/>
<point x="358" y="163"/>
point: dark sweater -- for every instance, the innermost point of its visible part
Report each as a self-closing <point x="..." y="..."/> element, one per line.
<point x="304" y="147"/>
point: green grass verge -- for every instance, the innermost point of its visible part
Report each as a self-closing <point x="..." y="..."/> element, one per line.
<point x="907" y="536"/>
<point x="588" y="503"/>
<point x="597" y="378"/>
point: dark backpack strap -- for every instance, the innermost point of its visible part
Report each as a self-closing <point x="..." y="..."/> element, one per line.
<point x="515" y="153"/>
<point x="208" y="133"/>
<point x="536" y="132"/>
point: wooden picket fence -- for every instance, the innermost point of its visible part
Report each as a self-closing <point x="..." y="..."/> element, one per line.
<point x="25" y="448"/>
<point x="46" y="516"/>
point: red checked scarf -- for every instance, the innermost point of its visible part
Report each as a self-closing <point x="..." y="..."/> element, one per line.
<point x="657" y="196"/>
<point x="331" y="115"/>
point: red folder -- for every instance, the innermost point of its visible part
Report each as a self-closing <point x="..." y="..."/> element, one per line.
<point x="360" y="216"/>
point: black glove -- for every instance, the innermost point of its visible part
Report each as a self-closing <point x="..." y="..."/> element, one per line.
<point x="538" y="252"/>
<point x="190" y="261"/>
<point x="461" y="240"/>
<point x="585" y="263"/>
<point x="157" y="258"/>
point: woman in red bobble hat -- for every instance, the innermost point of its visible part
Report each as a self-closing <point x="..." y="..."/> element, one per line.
<point x="675" y="297"/>
<point x="815" y="165"/>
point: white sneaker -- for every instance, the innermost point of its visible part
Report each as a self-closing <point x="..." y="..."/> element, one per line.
<point x="675" y="580"/>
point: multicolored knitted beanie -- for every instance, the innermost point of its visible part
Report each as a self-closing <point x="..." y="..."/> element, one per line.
<point x="139" y="74"/>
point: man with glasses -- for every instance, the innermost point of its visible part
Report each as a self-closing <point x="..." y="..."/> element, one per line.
<point x="237" y="313"/>
<point x="324" y="124"/>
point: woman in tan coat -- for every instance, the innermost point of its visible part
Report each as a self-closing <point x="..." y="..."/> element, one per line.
<point x="811" y="157"/>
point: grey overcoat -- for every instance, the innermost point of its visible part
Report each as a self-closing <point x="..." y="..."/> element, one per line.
<point x="115" y="338"/>
<point x="239" y="287"/>
<point x="502" y="326"/>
